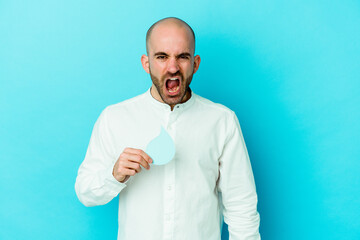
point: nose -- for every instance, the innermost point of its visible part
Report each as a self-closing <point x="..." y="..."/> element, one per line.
<point x="173" y="65"/>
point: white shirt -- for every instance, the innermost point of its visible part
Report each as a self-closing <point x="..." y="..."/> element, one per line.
<point x="210" y="174"/>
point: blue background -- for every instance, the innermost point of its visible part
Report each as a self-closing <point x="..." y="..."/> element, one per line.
<point x="289" y="69"/>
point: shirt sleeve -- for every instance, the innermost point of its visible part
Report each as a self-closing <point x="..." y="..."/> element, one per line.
<point x="95" y="184"/>
<point x="237" y="187"/>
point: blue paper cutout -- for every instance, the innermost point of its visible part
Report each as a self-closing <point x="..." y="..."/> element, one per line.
<point x="162" y="148"/>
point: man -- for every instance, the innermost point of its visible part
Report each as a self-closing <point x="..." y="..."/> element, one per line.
<point x="209" y="172"/>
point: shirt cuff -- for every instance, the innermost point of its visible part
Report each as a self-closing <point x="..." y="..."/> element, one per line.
<point x="111" y="183"/>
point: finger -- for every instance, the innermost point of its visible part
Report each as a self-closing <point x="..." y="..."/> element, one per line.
<point x="132" y="165"/>
<point x="128" y="172"/>
<point x="139" y="152"/>
<point x="124" y="171"/>
<point x="136" y="158"/>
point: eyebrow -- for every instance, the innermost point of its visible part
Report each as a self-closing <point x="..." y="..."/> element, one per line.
<point x="184" y="54"/>
<point x="165" y="54"/>
<point x="160" y="53"/>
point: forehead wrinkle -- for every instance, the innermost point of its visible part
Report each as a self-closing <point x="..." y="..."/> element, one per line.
<point x="163" y="40"/>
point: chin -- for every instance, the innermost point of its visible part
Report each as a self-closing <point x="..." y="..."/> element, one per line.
<point x="172" y="101"/>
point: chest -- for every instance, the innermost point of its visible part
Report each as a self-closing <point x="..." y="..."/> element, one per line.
<point x="195" y="136"/>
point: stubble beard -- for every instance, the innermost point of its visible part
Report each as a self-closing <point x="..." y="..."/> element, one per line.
<point x="175" y="100"/>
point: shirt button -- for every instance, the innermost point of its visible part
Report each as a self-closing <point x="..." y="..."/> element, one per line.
<point x="169" y="188"/>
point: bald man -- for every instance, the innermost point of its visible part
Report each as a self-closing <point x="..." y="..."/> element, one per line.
<point x="209" y="176"/>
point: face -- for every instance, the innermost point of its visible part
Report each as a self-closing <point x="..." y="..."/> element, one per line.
<point x="171" y="63"/>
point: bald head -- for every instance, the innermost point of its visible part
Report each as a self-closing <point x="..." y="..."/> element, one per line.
<point x="170" y="22"/>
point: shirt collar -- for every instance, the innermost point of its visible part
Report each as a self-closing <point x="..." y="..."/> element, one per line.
<point x="166" y="107"/>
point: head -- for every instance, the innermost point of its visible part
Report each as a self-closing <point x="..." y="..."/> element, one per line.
<point x="170" y="60"/>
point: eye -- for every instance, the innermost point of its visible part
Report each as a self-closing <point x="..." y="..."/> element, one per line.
<point x="183" y="56"/>
<point x="161" y="57"/>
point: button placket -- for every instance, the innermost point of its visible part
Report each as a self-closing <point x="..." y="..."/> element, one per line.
<point x="169" y="183"/>
<point x="169" y="200"/>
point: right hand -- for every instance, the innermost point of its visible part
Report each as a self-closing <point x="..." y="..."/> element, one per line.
<point x="129" y="163"/>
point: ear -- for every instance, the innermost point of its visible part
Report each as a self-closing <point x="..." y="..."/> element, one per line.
<point x="197" y="61"/>
<point x="145" y="63"/>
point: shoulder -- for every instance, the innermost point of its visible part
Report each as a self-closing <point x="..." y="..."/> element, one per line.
<point x="125" y="106"/>
<point x="215" y="109"/>
<point x="129" y="103"/>
<point x="221" y="117"/>
<point x="218" y="114"/>
<point x="122" y="111"/>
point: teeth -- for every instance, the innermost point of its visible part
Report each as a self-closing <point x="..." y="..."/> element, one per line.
<point x="173" y="79"/>
<point x="174" y="89"/>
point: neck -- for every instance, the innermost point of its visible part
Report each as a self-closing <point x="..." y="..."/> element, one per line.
<point x="156" y="95"/>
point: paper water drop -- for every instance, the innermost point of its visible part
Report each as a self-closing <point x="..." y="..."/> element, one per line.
<point x="162" y="148"/>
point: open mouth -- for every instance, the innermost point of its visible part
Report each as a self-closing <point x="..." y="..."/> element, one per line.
<point x="173" y="85"/>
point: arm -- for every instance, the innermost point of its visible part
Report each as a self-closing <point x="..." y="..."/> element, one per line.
<point x="95" y="183"/>
<point x="237" y="187"/>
